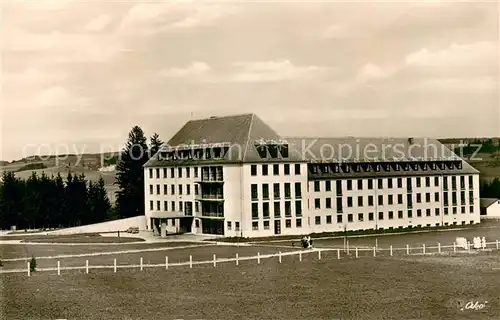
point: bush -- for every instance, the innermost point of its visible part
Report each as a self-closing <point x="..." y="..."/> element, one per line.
<point x="33" y="264"/>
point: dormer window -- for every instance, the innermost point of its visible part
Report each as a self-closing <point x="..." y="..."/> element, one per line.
<point x="336" y="168"/>
<point x="424" y="166"/>
<point x="377" y="167"/>
<point x="356" y="167"/>
<point x="414" y="166"/>
<point x="314" y="169"/>
<point x="284" y="150"/>
<point x="406" y="167"/>
<point x="387" y="167"/>
<point x="261" y="150"/>
<point x="273" y="150"/>
<point x="397" y="167"/>
<point x="459" y="165"/>
<point x="324" y="168"/>
<point x="433" y="165"/>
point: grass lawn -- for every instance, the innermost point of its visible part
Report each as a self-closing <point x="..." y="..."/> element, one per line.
<point x="380" y="288"/>
<point x="8" y="251"/>
<point x="76" y="238"/>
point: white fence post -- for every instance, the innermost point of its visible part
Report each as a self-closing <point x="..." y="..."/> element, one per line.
<point x="454" y="247"/>
<point x="338" y="253"/>
<point x="423" y="248"/>
<point x="497" y="244"/>
<point x="215" y="261"/>
<point x="374" y="251"/>
<point x="142" y="267"/>
<point x="279" y="257"/>
<point x="439" y="247"/>
<point x="114" y="265"/>
<point x="319" y="254"/>
<point x="407" y="249"/>
<point x="58" y="268"/>
<point x="237" y="259"/>
<point x="357" y="256"/>
<point x="390" y="249"/>
<point x="29" y="269"/>
<point x="190" y="261"/>
<point x="166" y="262"/>
<point x="300" y="256"/>
<point x="258" y="257"/>
<point x="86" y="266"/>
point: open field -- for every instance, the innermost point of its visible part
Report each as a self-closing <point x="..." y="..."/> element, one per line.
<point x="77" y="238"/>
<point x="375" y="288"/>
<point x="11" y="251"/>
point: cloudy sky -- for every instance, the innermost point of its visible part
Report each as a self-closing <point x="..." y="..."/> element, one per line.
<point x="82" y="73"/>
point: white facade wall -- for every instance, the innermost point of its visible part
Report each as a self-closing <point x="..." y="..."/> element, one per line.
<point x="289" y="225"/>
<point x="238" y="220"/>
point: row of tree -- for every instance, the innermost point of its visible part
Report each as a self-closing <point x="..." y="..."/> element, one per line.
<point x="490" y="189"/>
<point x="53" y="202"/>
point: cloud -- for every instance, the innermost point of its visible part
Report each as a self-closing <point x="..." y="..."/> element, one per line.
<point x="98" y="23"/>
<point x="265" y="71"/>
<point x="151" y="18"/>
<point x="456" y="56"/>
<point x="340" y="32"/>
<point x="195" y="69"/>
<point x="44" y="5"/>
<point x="59" y="97"/>
<point x="33" y="75"/>
<point x="473" y="84"/>
<point x="374" y="72"/>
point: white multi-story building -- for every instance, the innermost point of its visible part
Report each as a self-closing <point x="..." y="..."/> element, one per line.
<point x="236" y="177"/>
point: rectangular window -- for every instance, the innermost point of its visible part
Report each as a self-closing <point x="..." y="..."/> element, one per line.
<point x="436" y="181"/>
<point x="196" y="207"/>
<point x="389" y="183"/>
<point x="265" y="210"/>
<point x="339" y="187"/>
<point x="419" y="198"/>
<point x="157" y="189"/>
<point x="360" y="184"/>
<point x="390" y="199"/>
<point x="179" y="172"/>
<point x="298" y="208"/>
<point x="172" y="189"/>
<point x="288" y="209"/>
<point x="265" y="191"/>
<point x="255" y="211"/>
<point x="288" y="223"/>
<point x="180" y="206"/>
<point x="400" y="199"/>
<point x="428" y="212"/>
<point x="427" y="197"/>
<point x="370" y="201"/>
<point x="328" y="219"/>
<point x="164" y="173"/>
<point x="298" y="191"/>
<point x="410" y="214"/>
<point x="380" y="183"/>
<point x="370" y="184"/>
<point x="196" y="172"/>
<point x="427" y="181"/>
<point x="317" y="203"/>
<point x="349" y="217"/>
<point x="165" y="205"/>
<point x="391" y="215"/>
<point x="188" y="189"/>
<point x="419" y="213"/>
<point x="151" y="205"/>
<point x="265" y="170"/>
<point x="254" y="192"/>
<point x="180" y="189"/>
<point x="360" y="217"/>
<point x="381" y="216"/>
<point x="380" y="200"/>
<point x="286" y="169"/>
<point x="328" y="185"/>
<point x="436" y="211"/>
<point x="339" y="218"/>
<point x="328" y="203"/>
<point x="349" y="184"/>
<point x="150" y="189"/>
<point x="339" y="204"/>
<point x="188" y="173"/>
<point x="316" y="186"/>
<point x="471" y="182"/>
<point x="400" y="214"/>
<point x="253" y="170"/>
<point x="298" y="223"/>
<point x="400" y="182"/>
<point x="297" y="168"/>
<point x="172" y="205"/>
<point x="360" y="201"/>
<point x="172" y="173"/>
<point x="165" y="189"/>
<point x="276" y="169"/>
<point x="436" y="196"/>
<point x="349" y="202"/>
<point x="266" y="225"/>
<point x="150" y="173"/>
<point x="236" y="226"/>
<point x="276" y="189"/>
<point x="418" y="182"/>
<point x="370" y="216"/>
<point x="317" y="220"/>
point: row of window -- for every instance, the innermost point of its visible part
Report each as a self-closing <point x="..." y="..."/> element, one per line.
<point x="236" y="225"/>
<point x="265" y="224"/>
<point x="390" y="215"/>
<point x="264" y="169"/>
<point x="180" y="189"/>
<point x="391" y="182"/>
<point x="165" y="171"/>
<point x="276" y="191"/>
<point x="183" y="206"/>
<point x="276" y="209"/>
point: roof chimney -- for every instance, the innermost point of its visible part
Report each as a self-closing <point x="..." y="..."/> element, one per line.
<point x="410" y="140"/>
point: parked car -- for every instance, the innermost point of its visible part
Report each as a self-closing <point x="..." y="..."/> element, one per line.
<point x="133" y="230"/>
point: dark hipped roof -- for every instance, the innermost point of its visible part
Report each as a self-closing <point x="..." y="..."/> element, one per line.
<point x="241" y="132"/>
<point x="486" y="202"/>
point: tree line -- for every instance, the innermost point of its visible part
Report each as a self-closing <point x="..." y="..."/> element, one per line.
<point x="490" y="189"/>
<point x="56" y="202"/>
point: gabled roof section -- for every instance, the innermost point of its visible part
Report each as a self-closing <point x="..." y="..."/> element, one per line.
<point x="486" y="202"/>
